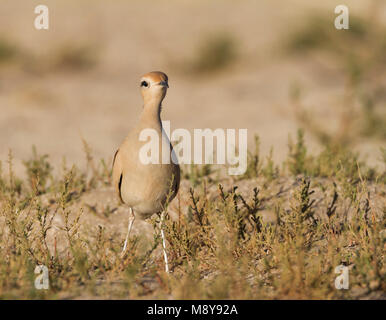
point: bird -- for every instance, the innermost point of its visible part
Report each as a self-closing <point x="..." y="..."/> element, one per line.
<point x="145" y="188"/>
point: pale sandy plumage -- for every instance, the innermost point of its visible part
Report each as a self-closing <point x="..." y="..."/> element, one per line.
<point x="145" y="188"/>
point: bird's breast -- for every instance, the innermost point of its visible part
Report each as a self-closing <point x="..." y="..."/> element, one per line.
<point x="147" y="186"/>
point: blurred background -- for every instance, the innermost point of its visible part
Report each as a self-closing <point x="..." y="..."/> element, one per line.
<point x="269" y="66"/>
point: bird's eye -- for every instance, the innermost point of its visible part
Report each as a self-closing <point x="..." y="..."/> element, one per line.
<point x="144" y="84"/>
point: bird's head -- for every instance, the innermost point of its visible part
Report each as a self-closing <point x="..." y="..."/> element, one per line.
<point x="154" y="86"/>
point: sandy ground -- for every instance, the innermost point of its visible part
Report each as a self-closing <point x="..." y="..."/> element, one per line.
<point x="54" y="109"/>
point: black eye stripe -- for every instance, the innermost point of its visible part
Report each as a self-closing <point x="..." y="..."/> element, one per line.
<point x="144" y="84"/>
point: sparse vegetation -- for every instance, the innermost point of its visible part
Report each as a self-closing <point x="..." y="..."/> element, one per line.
<point x="361" y="113"/>
<point x="215" y="53"/>
<point x="38" y="171"/>
<point x="196" y="173"/>
<point x="67" y="57"/>
<point x="319" y="32"/>
<point x="280" y="236"/>
<point x="7" y="50"/>
<point x="72" y="57"/>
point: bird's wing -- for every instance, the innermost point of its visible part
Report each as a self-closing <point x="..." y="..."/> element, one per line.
<point x="117" y="173"/>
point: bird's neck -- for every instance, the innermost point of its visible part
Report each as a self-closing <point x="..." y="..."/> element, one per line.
<point x="152" y="111"/>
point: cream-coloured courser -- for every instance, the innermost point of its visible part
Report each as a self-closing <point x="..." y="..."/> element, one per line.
<point x="145" y="188"/>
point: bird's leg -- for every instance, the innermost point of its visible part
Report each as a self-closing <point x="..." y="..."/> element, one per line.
<point x="164" y="243"/>
<point x="131" y="221"/>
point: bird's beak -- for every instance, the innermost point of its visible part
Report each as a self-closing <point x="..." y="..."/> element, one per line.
<point x="164" y="84"/>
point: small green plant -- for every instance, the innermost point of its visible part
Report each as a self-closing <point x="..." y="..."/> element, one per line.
<point x="297" y="155"/>
<point x="196" y="173"/>
<point x="254" y="162"/>
<point x="302" y="206"/>
<point x="270" y="170"/>
<point x="318" y="32"/>
<point x="314" y="34"/>
<point x="14" y="185"/>
<point x="75" y="58"/>
<point x="373" y="124"/>
<point x="7" y="51"/>
<point x="383" y="155"/>
<point x="215" y="53"/>
<point x="39" y="171"/>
